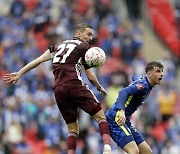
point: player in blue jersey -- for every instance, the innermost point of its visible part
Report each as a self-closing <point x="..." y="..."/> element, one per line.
<point x="128" y="101"/>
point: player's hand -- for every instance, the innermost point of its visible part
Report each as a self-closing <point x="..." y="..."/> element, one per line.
<point x="11" y="78"/>
<point x="102" y="90"/>
<point x="120" y="118"/>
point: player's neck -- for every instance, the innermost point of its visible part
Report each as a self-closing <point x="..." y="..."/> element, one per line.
<point x="151" y="82"/>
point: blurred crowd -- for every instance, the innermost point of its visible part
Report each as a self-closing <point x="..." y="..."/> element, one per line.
<point x="176" y="5"/>
<point x="30" y="122"/>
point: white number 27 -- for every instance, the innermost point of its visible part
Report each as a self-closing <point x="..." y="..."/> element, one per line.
<point x="61" y="48"/>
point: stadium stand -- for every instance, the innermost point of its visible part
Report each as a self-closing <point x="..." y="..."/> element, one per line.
<point x="30" y="122"/>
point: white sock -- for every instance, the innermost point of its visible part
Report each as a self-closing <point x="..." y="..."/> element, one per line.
<point x="107" y="146"/>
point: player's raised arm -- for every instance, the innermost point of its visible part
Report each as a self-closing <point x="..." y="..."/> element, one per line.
<point x="12" y="78"/>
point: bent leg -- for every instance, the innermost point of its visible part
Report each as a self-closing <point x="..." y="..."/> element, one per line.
<point x="72" y="136"/>
<point x="103" y="126"/>
<point x="144" y="148"/>
<point x="131" y="148"/>
<point x="122" y="136"/>
<point x="104" y="131"/>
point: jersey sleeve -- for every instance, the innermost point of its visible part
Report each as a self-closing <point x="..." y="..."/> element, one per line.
<point x="85" y="65"/>
<point x="51" y="49"/>
<point x="125" y="93"/>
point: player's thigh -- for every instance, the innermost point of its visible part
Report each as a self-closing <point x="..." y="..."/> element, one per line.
<point x="86" y="100"/>
<point x="69" y="113"/>
<point x="120" y="134"/>
<point x="65" y="104"/>
<point x="131" y="148"/>
<point x="136" y="135"/>
<point x="144" y="148"/>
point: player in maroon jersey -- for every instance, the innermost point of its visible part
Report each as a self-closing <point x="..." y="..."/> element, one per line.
<point x="70" y="91"/>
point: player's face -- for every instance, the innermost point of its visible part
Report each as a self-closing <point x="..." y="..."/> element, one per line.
<point x="155" y="76"/>
<point x="86" y="35"/>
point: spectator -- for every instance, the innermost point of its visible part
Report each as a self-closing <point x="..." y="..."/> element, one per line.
<point x="166" y="99"/>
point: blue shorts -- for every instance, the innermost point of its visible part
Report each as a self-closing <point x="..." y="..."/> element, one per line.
<point x="122" y="135"/>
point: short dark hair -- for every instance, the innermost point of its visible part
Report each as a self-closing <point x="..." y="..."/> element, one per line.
<point x="82" y="26"/>
<point x="153" y="64"/>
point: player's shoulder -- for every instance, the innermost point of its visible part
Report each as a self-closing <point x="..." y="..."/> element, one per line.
<point x="141" y="82"/>
<point x="77" y="41"/>
<point x="84" y="46"/>
<point x="73" y="41"/>
<point x="137" y="77"/>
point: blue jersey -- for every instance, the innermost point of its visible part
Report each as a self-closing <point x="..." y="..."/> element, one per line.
<point x="131" y="97"/>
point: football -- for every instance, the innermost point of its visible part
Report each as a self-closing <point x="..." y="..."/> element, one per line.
<point x="95" y="57"/>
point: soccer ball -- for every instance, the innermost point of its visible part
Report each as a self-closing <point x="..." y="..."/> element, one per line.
<point x="95" y="57"/>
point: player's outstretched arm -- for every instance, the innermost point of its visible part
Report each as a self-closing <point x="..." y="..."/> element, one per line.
<point x="12" y="78"/>
<point x="92" y="78"/>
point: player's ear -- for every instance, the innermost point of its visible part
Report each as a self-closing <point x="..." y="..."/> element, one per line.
<point x="148" y="74"/>
<point x="77" y="34"/>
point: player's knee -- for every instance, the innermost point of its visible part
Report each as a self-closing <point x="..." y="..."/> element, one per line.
<point x="73" y="127"/>
<point x="133" y="150"/>
<point x="99" y="116"/>
<point x="148" y="151"/>
<point x="97" y="109"/>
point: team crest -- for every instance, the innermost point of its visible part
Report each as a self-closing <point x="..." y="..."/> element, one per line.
<point x="139" y="86"/>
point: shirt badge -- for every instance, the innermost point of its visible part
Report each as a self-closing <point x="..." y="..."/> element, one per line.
<point x="139" y="86"/>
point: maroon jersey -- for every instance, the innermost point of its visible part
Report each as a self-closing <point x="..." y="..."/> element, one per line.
<point x="68" y="60"/>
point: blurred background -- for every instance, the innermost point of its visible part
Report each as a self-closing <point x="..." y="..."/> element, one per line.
<point x="131" y="32"/>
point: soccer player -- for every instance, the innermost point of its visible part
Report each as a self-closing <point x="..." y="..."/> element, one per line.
<point x="128" y="101"/>
<point x="70" y="91"/>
